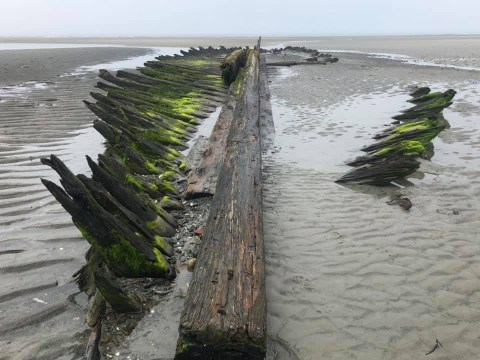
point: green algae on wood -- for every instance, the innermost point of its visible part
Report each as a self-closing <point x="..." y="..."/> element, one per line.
<point x="115" y="296"/>
<point x="147" y="118"/>
<point x="422" y="135"/>
<point x="381" y="172"/>
<point x="420" y="91"/>
<point x="127" y="253"/>
<point x="168" y="203"/>
<point x="437" y="101"/>
<point x="389" y="157"/>
<point x="410" y="148"/>
<point x="424" y="98"/>
<point x="224" y="315"/>
<point x="232" y="64"/>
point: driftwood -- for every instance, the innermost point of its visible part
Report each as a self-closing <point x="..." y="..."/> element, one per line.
<point x="224" y="316"/>
<point x="425" y="97"/>
<point x="414" y="115"/>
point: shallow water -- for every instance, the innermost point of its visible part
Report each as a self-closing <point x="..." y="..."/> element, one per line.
<point x="132" y="62"/>
<point x="350" y="277"/>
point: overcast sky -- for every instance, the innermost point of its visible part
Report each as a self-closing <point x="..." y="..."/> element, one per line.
<point x="247" y="17"/>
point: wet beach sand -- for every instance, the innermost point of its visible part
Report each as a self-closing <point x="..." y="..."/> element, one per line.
<point x="460" y="50"/>
<point x="348" y="276"/>
<point x="41" y="112"/>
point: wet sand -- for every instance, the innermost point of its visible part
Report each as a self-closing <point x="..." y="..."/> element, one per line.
<point x="462" y="50"/>
<point x="41" y="113"/>
<point x="19" y="66"/>
<point x="350" y="277"/>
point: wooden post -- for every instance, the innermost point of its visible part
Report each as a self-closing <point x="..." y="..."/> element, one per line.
<point x="224" y="316"/>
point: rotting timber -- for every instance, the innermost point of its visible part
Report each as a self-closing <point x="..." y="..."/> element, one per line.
<point x="224" y="315"/>
<point x="146" y="116"/>
<point x="394" y="155"/>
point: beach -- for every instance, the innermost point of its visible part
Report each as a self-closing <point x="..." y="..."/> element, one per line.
<point x="348" y="276"/>
<point x="42" y="113"/>
<point x="460" y="50"/>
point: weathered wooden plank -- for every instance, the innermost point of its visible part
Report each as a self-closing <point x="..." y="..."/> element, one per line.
<point x="202" y="180"/>
<point x="224" y="316"/>
<point x="267" y="127"/>
<point x="293" y="63"/>
<point x="232" y="64"/>
<point x="127" y="252"/>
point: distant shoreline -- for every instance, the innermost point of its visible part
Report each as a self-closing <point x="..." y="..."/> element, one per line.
<point x="452" y="50"/>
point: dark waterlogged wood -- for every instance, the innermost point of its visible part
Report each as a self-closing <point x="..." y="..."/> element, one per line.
<point x="420" y="91"/>
<point x="382" y="172"/>
<point x="267" y="126"/>
<point x="232" y="64"/>
<point x="224" y="316"/>
<point x="118" y="299"/>
<point x="92" y="352"/>
<point x="202" y="180"/>
<point x="393" y="157"/>
<point x="127" y="252"/>
<point x="293" y="63"/>
<point x="147" y="116"/>
<point x="307" y="56"/>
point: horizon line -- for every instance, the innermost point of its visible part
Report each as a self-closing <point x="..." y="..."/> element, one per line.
<point x="229" y="36"/>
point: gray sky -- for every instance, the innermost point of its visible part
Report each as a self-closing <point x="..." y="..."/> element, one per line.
<point x="252" y="17"/>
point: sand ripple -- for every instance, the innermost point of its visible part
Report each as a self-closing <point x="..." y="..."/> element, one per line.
<point x="350" y="277"/>
<point x="41" y="248"/>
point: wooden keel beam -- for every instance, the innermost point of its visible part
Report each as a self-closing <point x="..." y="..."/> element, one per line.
<point x="224" y="315"/>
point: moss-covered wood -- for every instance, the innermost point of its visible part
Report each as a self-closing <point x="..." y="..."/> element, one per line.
<point x="147" y="117"/>
<point x="391" y="157"/>
<point x="127" y="252"/>
<point x="115" y="296"/>
<point x="301" y="56"/>
<point x="232" y="64"/>
<point x="224" y="315"/>
<point x="420" y="91"/>
<point x="382" y="171"/>
<point x="441" y="100"/>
